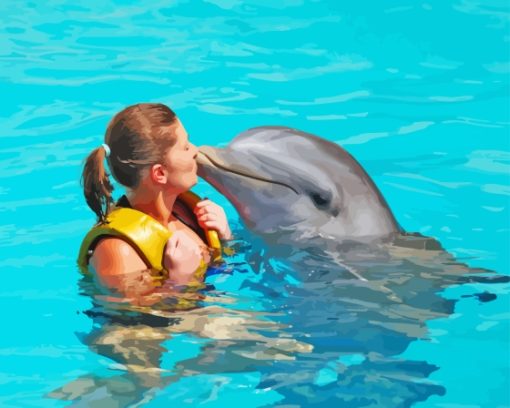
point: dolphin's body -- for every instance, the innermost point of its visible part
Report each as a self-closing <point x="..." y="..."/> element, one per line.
<point x="288" y="184"/>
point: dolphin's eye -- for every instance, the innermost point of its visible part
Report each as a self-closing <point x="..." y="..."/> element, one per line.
<point x="320" y="200"/>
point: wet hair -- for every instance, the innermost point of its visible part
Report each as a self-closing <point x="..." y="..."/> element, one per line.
<point x="138" y="136"/>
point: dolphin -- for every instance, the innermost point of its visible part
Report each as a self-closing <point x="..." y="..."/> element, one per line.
<point x="289" y="185"/>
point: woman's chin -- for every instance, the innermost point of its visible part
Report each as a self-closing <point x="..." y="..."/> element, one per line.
<point x="193" y="181"/>
<point x="187" y="184"/>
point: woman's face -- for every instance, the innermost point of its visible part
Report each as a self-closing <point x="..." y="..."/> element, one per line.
<point x="181" y="161"/>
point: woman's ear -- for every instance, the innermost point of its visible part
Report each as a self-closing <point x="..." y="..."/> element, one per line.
<point x="158" y="174"/>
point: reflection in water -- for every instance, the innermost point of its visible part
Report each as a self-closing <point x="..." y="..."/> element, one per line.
<point x="136" y="338"/>
<point x="359" y="326"/>
<point x="324" y="336"/>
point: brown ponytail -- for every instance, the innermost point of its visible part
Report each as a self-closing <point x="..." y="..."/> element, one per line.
<point x="96" y="184"/>
<point x="138" y="136"/>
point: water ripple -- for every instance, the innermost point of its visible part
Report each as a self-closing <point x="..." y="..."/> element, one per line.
<point x="414" y="127"/>
<point x="328" y="99"/>
<point x="446" y="184"/>
<point x="450" y="99"/>
<point x="413" y="189"/>
<point x="55" y="117"/>
<point x="498" y="67"/>
<point x="489" y="161"/>
<point x="36" y="202"/>
<point x="13" y="235"/>
<point x="497" y="189"/>
<point x="32" y="158"/>
<point x="476" y="122"/>
<point x="32" y="261"/>
<point x="437" y="62"/>
<point x="344" y="64"/>
<point x="368" y="137"/>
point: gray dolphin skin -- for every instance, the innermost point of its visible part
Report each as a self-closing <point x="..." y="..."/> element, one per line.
<point x="286" y="183"/>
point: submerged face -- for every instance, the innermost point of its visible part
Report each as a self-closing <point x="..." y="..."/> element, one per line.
<point x="180" y="161"/>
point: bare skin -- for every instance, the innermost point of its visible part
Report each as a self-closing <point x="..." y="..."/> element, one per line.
<point x="117" y="264"/>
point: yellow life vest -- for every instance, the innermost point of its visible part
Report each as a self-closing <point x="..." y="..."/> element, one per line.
<point x="146" y="235"/>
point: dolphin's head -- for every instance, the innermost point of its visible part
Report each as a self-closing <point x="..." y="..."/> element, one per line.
<point x="286" y="182"/>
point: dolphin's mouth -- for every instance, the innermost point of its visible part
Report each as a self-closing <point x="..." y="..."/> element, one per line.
<point x="242" y="173"/>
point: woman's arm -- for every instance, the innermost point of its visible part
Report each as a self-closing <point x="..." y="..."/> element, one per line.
<point x="120" y="269"/>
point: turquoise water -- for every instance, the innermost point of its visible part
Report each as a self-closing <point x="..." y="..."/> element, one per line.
<point x="419" y="94"/>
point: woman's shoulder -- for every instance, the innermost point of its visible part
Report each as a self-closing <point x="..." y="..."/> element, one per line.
<point x="114" y="244"/>
<point x="113" y="255"/>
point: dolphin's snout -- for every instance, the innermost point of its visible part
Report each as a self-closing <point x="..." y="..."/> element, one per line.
<point x="213" y="156"/>
<point x="201" y="159"/>
<point x="204" y="152"/>
<point x="207" y="159"/>
<point x="213" y="160"/>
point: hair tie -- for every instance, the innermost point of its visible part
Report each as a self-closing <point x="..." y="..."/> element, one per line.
<point x="106" y="149"/>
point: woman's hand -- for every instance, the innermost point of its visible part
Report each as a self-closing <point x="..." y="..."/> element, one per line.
<point x="181" y="258"/>
<point x="212" y="216"/>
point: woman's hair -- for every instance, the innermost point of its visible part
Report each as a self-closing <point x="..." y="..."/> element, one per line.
<point x="138" y="136"/>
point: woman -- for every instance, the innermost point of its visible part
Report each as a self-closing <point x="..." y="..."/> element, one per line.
<point x="148" y="152"/>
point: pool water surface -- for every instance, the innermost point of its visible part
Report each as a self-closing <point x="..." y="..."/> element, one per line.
<point x="417" y="93"/>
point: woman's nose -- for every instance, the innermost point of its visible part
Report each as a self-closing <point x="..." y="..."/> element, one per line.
<point x="195" y="149"/>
